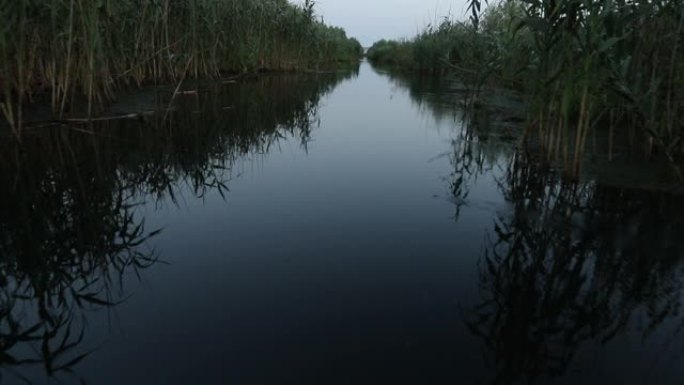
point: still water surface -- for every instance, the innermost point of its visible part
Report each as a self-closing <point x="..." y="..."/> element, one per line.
<point x="347" y="228"/>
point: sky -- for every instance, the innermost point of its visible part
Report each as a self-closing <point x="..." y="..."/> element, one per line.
<point x="372" y="20"/>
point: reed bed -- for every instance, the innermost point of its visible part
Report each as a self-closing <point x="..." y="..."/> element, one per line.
<point x="68" y="52"/>
<point x="431" y="51"/>
<point x="611" y="65"/>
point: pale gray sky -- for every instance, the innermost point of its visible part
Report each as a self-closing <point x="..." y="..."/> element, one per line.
<point x="372" y="20"/>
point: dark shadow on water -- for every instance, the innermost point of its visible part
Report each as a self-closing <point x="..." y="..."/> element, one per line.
<point x="72" y="231"/>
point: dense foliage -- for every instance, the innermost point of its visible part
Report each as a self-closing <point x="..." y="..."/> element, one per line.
<point x="433" y="50"/>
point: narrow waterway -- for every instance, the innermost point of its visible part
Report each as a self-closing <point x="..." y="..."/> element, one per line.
<point x="342" y="228"/>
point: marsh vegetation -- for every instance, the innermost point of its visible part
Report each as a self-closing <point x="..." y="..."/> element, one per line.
<point x="76" y="54"/>
<point x="616" y="66"/>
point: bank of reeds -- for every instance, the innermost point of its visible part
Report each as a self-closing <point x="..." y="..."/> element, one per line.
<point x="613" y="65"/>
<point x="429" y="52"/>
<point x="63" y="52"/>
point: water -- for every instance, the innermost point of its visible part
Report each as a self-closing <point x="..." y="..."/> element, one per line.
<point x="334" y="228"/>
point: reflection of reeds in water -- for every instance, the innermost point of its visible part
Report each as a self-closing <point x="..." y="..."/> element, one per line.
<point x="573" y="264"/>
<point x="68" y="236"/>
<point x="477" y="147"/>
<point x="70" y="232"/>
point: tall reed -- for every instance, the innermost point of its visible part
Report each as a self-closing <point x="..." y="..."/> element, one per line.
<point x="66" y="51"/>
<point x="616" y="65"/>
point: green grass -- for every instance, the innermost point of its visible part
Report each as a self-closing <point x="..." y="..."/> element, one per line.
<point x="66" y="51"/>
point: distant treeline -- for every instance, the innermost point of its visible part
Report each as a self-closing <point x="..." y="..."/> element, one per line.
<point x="617" y="65"/>
<point x="62" y="51"/>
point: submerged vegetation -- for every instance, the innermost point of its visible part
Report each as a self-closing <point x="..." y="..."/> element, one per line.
<point x="68" y="52"/>
<point x="616" y="66"/>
